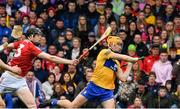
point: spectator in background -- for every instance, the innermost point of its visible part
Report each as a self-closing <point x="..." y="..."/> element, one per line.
<point x="177" y="24"/>
<point x="108" y="12"/>
<point x="152" y="85"/>
<point x="169" y="27"/>
<point x="175" y="72"/>
<point x="70" y="16"/>
<point x="69" y="34"/>
<point x="11" y="22"/>
<point x="169" y="87"/>
<point x="159" y="25"/>
<point x="135" y="7"/>
<point x="150" y="33"/>
<point x="40" y="24"/>
<point x="141" y="20"/>
<point x="32" y="17"/>
<point x="177" y="44"/>
<point x="162" y="68"/>
<point x="92" y="14"/>
<point x="61" y="44"/>
<point x="149" y="17"/>
<point x="2" y="10"/>
<point x="158" y="8"/>
<point x="123" y="23"/>
<point x="137" y="104"/>
<point x="169" y="13"/>
<point x="43" y="44"/>
<point x="132" y="31"/>
<point x="82" y="29"/>
<point x="76" y="76"/>
<point x="39" y="73"/>
<point x="128" y="13"/>
<point x="75" y="51"/>
<point x="70" y="91"/>
<point x="65" y="78"/>
<point x="11" y="8"/>
<point x="173" y="57"/>
<point x="164" y="37"/>
<point x="57" y="72"/>
<point x="34" y="86"/>
<point x="82" y="6"/>
<point x="25" y="9"/>
<point x="153" y="88"/>
<point x="162" y="100"/>
<point x="25" y="24"/>
<point x="101" y="26"/>
<point x="118" y="7"/>
<point x="136" y="73"/>
<point x="114" y="27"/>
<point x="149" y="61"/>
<point x="47" y="86"/>
<point x="4" y="30"/>
<point x="176" y="97"/>
<point x="141" y="48"/>
<point x="57" y="30"/>
<point x="42" y="6"/>
<point x="156" y="40"/>
<point x="58" y="92"/>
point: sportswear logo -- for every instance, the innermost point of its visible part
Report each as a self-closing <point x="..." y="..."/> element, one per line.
<point x="84" y="92"/>
<point x="111" y="64"/>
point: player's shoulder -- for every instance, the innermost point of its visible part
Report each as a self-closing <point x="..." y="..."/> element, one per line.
<point x="105" y="51"/>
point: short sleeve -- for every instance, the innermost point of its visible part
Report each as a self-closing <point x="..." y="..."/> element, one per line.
<point x="16" y="44"/>
<point x="106" y="53"/>
<point x="35" y="50"/>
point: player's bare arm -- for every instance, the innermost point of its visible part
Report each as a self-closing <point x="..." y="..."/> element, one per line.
<point x="123" y="57"/>
<point x="6" y="45"/>
<point x="56" y="59"/>
<point x="14" y="69"/>
<point x="124" y="75"/>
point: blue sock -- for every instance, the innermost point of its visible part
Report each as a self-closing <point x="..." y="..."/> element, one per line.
<point x="54" y="102"/>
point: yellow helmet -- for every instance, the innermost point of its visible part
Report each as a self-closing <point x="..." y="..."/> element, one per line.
<point x="114" y="40"/>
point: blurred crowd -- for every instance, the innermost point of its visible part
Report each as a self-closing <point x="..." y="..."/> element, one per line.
<point x="148" y="28"/>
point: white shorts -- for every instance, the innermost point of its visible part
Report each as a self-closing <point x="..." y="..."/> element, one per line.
<point x="10" y="83"/>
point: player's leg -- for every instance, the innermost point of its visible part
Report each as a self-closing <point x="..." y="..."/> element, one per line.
<point x="2" y="104"/>
<point x="77" y="102"/>
<point x="109" y="103"/>
<point x="26" y="96"/>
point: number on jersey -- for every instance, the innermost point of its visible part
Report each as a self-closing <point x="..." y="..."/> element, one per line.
<point x="18" y="53"/>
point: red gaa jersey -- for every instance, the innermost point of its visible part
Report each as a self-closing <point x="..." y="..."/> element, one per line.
<point x="26" y="51"/>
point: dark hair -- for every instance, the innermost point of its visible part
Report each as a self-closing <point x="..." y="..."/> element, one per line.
<point x="152" y="73"/>
<point x="38" y="59"/>
<point x="168" y="82"/>
<point x="33" y="31"/>
<point x="109" y="5"/>
<point x="61" y="80"/>
<point x="162" y="88"/>
<point x="52" y="74"/>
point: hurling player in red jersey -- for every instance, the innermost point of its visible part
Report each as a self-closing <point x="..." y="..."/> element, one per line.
<point x="26" y="51"/>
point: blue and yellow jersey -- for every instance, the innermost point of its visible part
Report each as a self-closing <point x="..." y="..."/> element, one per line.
<point x="105" y="71"/>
